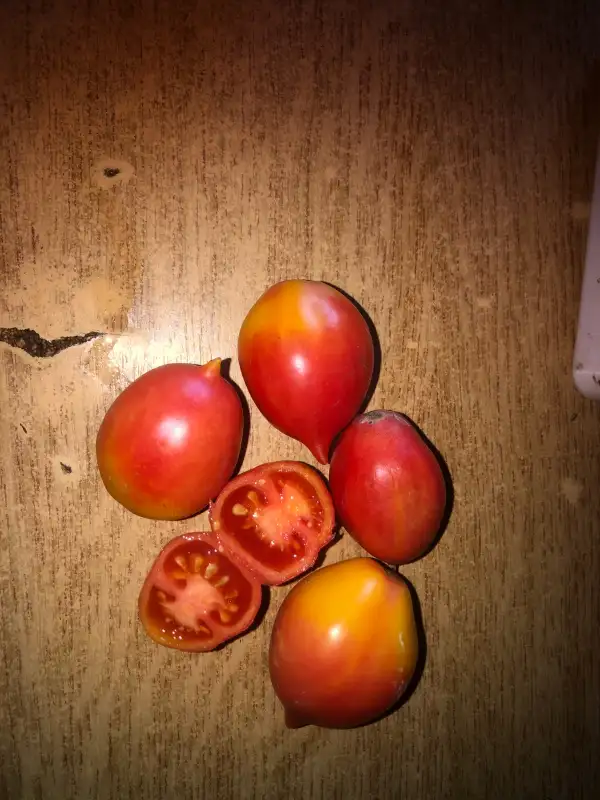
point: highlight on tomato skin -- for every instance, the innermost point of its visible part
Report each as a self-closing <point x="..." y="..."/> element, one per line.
<point x="307" y="358"/>
<point x="388" y="487"/>
<point x="171" y="440"/>
<point x="275" y="519"/>
<point x="195" y="597"/>
<point x="344" y="646"/>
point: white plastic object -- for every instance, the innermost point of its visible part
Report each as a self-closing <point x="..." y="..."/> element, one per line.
<point x="586" y="360"/>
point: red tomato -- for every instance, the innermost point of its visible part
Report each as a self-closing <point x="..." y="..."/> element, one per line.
<point x="344" y="645"/>
<point x="195" y="597"/>
<point x="306" y="355"/>
<point x="387" y="487"/>
<point x="275" y="519"/>
<point x="171" y="440"/>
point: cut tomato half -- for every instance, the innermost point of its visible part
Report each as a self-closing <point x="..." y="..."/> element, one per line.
<point x="274" y="519"/>
<point x="195" y="597"/>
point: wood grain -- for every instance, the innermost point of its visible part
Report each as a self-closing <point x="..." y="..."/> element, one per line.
<point x="435" y="161"/>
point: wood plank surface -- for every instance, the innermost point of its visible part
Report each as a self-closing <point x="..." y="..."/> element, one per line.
<point x="435" y="160"/>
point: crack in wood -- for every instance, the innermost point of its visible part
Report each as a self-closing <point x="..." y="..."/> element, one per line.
<point x="31" y="342"/>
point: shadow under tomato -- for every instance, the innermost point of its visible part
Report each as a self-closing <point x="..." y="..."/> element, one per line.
<point x="449" y="488"/>
<point x="226" y="373"/>
<point x="421" y="658"/>
<point x="376" y="346"/>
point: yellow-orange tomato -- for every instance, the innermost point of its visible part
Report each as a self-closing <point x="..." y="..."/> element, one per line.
<point x="344" y="645"/>
<point x="306" y="355"/>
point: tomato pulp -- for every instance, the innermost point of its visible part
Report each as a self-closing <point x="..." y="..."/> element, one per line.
<point x="195" y="597"/>
<point x="275" y="518"/>
<point x="269" y="525"/>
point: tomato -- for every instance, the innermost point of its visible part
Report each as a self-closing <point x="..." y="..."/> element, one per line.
<point x="306" y="355"/>
<point x="388" y="487"/>
<point x="344" y="645"/>
<point x="275" y="518"/>
<point x="195" y="597"/>
<point x="171" y="440"/>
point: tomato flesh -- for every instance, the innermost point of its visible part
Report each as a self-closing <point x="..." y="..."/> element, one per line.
<point x="275" y="518"/>
<point x="195" y="597"/>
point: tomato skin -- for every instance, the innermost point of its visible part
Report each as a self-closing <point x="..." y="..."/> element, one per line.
<point x="170" y="441"/>
<point x="344" y="645"/>
<point x="388" y="487"/>
<point x="290" y="501"/>
<point x="306" y="355"/>
<point x="189" y="593"/>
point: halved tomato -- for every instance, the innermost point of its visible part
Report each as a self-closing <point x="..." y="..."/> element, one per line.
<point x="274" y="519"/>
<point x="195" y="597"/>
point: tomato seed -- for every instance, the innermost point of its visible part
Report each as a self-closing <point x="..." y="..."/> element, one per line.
<point x="231" y="595"/>
<point x="233" y="607"/>
<point x="253" y="497"/>
<point x="181" y="562"/>
<point x="211" y="570"/>
<point x="224" y="616"/>
<point x="161" y="596"/>
<point x="239" y="510"/>
<point x="197" y="562"/>
<point x="222" y="581"/>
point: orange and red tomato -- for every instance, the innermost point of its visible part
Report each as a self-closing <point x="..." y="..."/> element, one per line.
<point x="344" y="645"/>
<point x="306" y="355"/>
<point x="171" y="440"/>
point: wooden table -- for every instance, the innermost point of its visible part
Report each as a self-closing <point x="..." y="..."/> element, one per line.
<point x="162" y="164"/>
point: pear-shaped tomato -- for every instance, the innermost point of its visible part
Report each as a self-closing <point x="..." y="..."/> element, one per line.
<point x="344" y="645"/>
<point x="171" y="440"/>
<point x="306" y="355"/>
<point x="388" y="487"/>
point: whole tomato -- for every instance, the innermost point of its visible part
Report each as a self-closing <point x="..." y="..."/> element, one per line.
<point x="171" y="440"/>
<point x="387" y="487"/>
<point x="344" y="645"/>
<point x="306" y="355"/>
